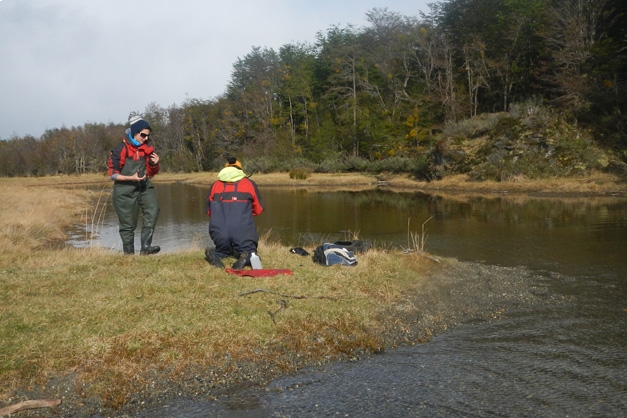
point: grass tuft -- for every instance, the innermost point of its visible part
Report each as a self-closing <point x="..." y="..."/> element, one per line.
<point x="300" y="173"/>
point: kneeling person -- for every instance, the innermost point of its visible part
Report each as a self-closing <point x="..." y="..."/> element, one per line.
<point x="232" y="203"/>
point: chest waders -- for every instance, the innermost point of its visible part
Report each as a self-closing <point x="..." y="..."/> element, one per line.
<point x="232" y="228"/>
<point x="128" y="198"/>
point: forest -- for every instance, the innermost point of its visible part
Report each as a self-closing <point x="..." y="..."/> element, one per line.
<point x="389" y="96"/>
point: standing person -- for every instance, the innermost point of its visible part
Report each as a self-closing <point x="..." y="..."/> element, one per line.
<point x="232" y="203"/>
<point x="131" y="165"/>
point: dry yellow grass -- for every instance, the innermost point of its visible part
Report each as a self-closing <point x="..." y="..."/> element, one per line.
<point x="595" y="183"/>
<point x="317" y="181"/>
<point x="36" y="218"/>
<point x="114" y="319"/>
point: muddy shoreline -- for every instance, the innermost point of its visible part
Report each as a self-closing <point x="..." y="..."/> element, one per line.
<point x="454" y="294"/>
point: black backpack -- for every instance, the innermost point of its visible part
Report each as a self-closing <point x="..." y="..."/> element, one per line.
<point x="329" y="254"/>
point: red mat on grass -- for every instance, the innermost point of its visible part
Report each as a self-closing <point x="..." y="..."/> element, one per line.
<point x="259" y="273"/>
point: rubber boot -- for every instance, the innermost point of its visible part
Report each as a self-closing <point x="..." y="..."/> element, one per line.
<point x="213" y="259"/>
<point x="129" y="249"/>
<point x="242" y="261"/>
<point x="146" y="239"/>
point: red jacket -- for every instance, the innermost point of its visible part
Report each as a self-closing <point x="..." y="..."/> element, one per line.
<point x="243" y="193"/>
<point x="125" y="150"/>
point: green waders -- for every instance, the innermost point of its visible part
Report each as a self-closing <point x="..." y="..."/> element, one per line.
<point x="130" y="196"/>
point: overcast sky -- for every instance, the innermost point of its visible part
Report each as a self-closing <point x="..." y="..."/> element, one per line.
<point x="71" y="62"/>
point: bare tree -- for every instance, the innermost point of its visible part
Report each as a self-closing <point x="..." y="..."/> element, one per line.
<point x="571" y="35"/>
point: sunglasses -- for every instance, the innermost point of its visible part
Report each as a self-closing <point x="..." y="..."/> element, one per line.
<point x="143" y="135"/>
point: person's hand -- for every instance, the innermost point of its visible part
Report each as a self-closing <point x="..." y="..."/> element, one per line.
<point x="137" y="177"/>
<point x="154" y="158"/>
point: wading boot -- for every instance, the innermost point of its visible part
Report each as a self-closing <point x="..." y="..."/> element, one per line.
<point x="147" y="248"/>
<point x="241" y="262"/>
<point x="213" y="259"/>
<point x="129" y="249"/>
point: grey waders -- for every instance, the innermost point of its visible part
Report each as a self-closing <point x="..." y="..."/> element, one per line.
<point x="128" y="198"/>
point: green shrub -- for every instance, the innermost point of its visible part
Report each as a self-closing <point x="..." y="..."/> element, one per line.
<point x="397" y="165"/>
<point x="275" y="164"/>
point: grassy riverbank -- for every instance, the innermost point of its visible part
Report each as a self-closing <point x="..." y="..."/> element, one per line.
<point x="592" y="184"/>
<point x="98" y="329"/>
<point x="113" y="323"/>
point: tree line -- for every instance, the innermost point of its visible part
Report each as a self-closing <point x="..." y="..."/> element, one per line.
<point x="378" y="94"/>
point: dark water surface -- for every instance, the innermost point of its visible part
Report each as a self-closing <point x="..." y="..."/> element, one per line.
<point x="562" y="360"/>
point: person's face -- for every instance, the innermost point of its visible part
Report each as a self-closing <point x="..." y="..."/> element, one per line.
<point x="142" y="136"/>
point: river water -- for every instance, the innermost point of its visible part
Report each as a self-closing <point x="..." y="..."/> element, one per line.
<point x="543" y="360"/>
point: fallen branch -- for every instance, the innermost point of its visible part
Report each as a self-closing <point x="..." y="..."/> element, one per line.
<point x="283" y="305"/>
<point x="250" y="292"/>
<point x="22" y="406"/>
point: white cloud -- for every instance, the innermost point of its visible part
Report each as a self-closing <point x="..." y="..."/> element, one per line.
<point x="69" y="62"/>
